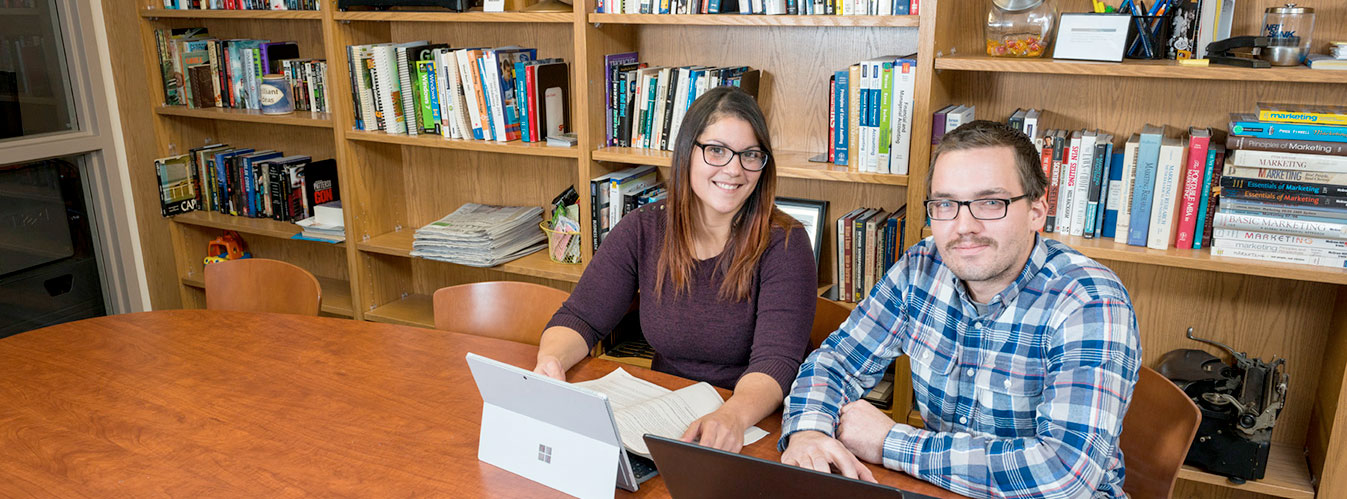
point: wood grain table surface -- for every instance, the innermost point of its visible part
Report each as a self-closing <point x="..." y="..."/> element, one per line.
<point x="194" y="403"/>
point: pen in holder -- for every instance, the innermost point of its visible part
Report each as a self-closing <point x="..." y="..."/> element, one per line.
<point x="1148" y="36"/>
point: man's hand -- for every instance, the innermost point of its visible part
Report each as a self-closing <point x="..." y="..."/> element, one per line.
<point x="719" y="430"/>
<point x="816" y="451"/>
<point x="551" y="367"/>
<point x="862" y="429"/>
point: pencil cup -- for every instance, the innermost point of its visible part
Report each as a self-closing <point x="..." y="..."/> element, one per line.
<point x="562" y="246"/>
<point x="1152" y="42"/>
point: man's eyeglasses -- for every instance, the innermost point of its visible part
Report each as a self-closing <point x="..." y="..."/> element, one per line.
<point x="717" y="155"/>
<point x="981" y="209"/>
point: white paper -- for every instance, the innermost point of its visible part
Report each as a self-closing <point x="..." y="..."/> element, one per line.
<point x="641" y="407"/>
<point x="1091" y="37"/>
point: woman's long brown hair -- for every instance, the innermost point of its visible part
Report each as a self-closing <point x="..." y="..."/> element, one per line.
<point x="751" y="228"/>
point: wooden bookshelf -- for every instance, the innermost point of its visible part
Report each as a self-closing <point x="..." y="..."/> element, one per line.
<point x="1287" y="475"/>
<point x="244" y="225"/>
<point x="411" y="310"/>
<point x="519" y="148"/>
<point x="789" y="164"/>
<point x="745" y="20"/>
<point x="310" y="15"/>
<point x="1130" y="68"/>
<point x="336" y="294"/>
<point x="298" y="118"/>
<point x="535" y="265"/>
<point x="457" y="17"/>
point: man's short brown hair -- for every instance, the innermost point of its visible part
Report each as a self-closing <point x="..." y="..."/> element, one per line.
<point x="983" y="133"/>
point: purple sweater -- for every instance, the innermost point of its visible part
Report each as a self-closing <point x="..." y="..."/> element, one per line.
<point x="697" y="335"/>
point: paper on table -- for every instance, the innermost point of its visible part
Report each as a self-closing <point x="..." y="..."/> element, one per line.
<point x="642" y="407"/>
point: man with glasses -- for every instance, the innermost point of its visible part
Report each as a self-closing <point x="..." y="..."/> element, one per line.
<point x="1024" y="352"/>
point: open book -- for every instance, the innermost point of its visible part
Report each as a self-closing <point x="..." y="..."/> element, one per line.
<point x="641" y="407"/>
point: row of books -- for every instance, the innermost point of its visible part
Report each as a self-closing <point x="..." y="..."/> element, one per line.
<point x="870" y="114"/>
<point x="869" y="241"/>
<point x="1283" y="195"/>
<point x="765" y="7"/>
<point x="501" y="94"/>
<point x="243" y="4"/>
<point x="245" y="182"/>
<point x="645" y="105"/>
<point x="200" y="71"/>
<point x="615" y="194"/>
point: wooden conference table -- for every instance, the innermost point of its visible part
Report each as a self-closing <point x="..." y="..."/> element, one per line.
<point x="198" y="403"/>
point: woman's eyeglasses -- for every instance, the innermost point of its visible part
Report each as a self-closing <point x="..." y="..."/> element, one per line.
<point x="717" y="155"/>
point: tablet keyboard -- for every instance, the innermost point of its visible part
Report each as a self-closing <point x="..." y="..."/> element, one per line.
<point x="643" y="468"/>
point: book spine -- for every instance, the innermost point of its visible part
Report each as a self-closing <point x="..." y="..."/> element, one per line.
<point x="1234" y="142"/>
<point x="1304" y="117"/>
<point x="1204" y="201"/>
<point x="1280" y="257"/>
<point x="1066" y="199"/>
<point x="1289" y="198"/>
<point x="858" y="260"/>
<point x="1165" y="203"/>
<point x="1114" y="197"/>
<point x="1284" y="186"/>
<point x="1282" y="239"/>
<point x="840" y="92"/>
<point x="845" y="235"/>
<point x="1148" y="153"/>
<point x="1290" y="161"/>
<point x="1054" y="182"/>
<point x="1192" y="189"/>
<point x="854" y="116"/>
<point x="1213" y="197"/>
<point x="832" y="118"/>
<point x="1129" y="178"/>
<point x="1288" y="131"/>
<point x="1270" y="248"/>
<point x="1097" y="176"/>
<point x="1279" y="225"/>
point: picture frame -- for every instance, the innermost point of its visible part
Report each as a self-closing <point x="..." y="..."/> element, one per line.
<point x="1091" y="37"/>
<point x="813" y="214"/>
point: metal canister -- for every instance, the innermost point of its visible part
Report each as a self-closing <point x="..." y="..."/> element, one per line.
<point x="275" y="95"/>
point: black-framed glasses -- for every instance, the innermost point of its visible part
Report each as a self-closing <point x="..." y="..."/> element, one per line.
<point x="717" y="155"/>
<point x="981" y="209"/>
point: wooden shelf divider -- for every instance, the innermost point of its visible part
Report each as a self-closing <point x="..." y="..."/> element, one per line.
<point x="756" y="20"/>
<point x="312" y="15"/>
<point x="411" y="310"/>
<point x="516" y="147"/>
<point x="1135" y="69"/>
<point x="789" y="164"/>
<point x="298" y="118"/>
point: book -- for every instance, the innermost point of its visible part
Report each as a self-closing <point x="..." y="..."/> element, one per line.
<point x="1113" y="201"/>
<point x="842" y="111"/>
<point x="177" y="185"/>
<point x="1323" y="213"/>
<point x="1213" y="195"/>
<point x="1280" y="225"/>
<point x="1279" y="256"/>
<point x="1324" y="61"/>
<point x="1238" y="142"/>
<point x="1098" y="174"/>
<point x="612" y="62"/>
<point x="1282" y="239"/>
<point x="1066" y="198"/>
<point x="1128" y="187"/>
<point x="1204" y="202"/>
<point x="1289" y="161"/>
<point x="1168" y="180"/>
<point x="1311" y="177"/>
<point x="641" y="407"/>
<point x="1302" y="113"/>
<point x="1240" y="182"/>
<point x="1199" y="141"/>
<point x="1288" y="198"/>
<point x="938" y="119"/>
<point x="903" y="103"/>
<point x="1248" y="125"/>
<point x="1143" y="198"/>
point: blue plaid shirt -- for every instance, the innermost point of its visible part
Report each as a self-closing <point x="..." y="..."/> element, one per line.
<point x="1026" y="400"/>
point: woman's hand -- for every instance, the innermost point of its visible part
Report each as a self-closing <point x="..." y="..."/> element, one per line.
<point x="550" y="366"/>
<point x="721" y="429"/>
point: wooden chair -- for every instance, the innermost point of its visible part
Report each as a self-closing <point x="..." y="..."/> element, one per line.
<point x="261" y="285"/>
<point x="508" y="310"/>
<point x="1157" y="430"/>
<point x="828" y="316"/>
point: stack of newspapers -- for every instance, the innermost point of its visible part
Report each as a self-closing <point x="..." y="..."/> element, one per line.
<point x="481" y="235"/>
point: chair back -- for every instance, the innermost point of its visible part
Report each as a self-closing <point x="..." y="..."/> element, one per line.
<point x="828" y="316"/>
<point x="508" y="310"/>
<point x="1157" y="430"/>
<point x="262" y="285"/>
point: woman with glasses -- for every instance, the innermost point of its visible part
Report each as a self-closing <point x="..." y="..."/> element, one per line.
<point x="726" y="280"/>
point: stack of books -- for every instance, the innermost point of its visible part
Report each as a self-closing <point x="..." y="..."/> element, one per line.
<point x="325" y="225"/>
<point x="870" y="114"/>
<point x="1284" y="192"/>
<point x="615" y="194"/>
<point x="869" y="241"/>
<point x="201" y="72"/>
<point x="420" y="88"/>
<point x="481" y="235"/>
<point x="645" y="105"/>
<point x="243" y="4"/>
<point x="764" y="7"/>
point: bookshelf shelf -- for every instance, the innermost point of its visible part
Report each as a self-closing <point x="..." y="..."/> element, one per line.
<point x="537" y="264"/>
<point x="411" y="310"/>
<point x="231" y="14"/>
<point x="519" y="148"/>
<point x="256" y="226"/>
<point x="336" y="294"/>
<point x="1108" y="249"/>
<point x="789" y="164"/>
<point x="1137" y="69"/>
<point x="459" y="17"/>
<point x="744" y="20"/>
<point x="1287" y="475"/>
<point x="299" y="118"/>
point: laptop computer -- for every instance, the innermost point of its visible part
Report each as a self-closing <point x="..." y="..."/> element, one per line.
<point x="691" y="470"/>
<point x="554" y="433"/>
